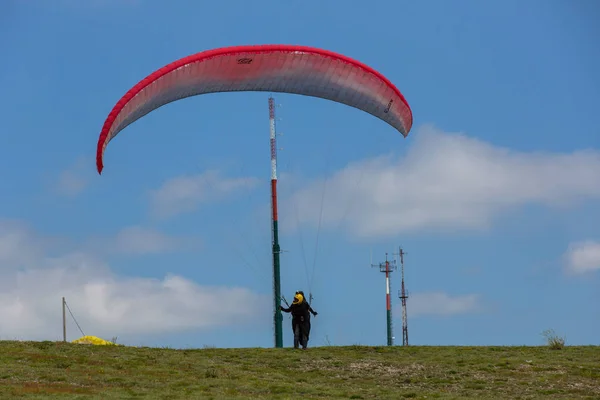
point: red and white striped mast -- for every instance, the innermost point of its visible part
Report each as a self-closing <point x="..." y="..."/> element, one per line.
<point x="277" y="318"/>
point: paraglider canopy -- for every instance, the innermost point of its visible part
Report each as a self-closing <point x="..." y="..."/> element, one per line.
<point x="275" y="68"/>
<point x="93" y="340"/>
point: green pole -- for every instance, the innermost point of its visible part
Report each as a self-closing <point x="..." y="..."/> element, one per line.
<point x="390" y="341"/>
<point x="277" y="288"/>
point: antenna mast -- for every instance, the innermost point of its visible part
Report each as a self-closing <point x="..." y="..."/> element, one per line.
<point x="388" y="267"/>
<point x="277" y="318"/>
<point x="403" y="294"/>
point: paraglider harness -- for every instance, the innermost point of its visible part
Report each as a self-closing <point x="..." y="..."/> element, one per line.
<point x="310" y="297"/>
<point x="309" y="305"/>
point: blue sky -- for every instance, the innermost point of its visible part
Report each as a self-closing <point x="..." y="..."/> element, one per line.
<point x="494" y="195"/>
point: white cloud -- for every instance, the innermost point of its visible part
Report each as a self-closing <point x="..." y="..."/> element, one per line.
<point x="446" y="181"/>
<point x="15" y="243"/>
<point x="138" y="240"/>
<point x="74" y="179"/>
<point x="184" y="194"/>
<point x="21" y="247"/>
<point x="104" y="303"/>
<point x="583" y="257"/>
<point x="441" y="304"/>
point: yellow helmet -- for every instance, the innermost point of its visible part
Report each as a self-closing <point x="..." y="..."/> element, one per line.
<point x="298" y="298"/>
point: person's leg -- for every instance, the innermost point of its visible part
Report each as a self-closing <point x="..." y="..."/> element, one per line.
<point x="304" y="332"/>
<point x="297" y="335"/>
<point x="294" y="327"/>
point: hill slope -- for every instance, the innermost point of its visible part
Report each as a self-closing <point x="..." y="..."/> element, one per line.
<point x="48" y="369"/>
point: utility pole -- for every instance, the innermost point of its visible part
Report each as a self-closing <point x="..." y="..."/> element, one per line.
<point x="403" y="295"/>
<point x="387" y="267"/>
<point x="277" y="317"/>
<point x="64" y="320"/>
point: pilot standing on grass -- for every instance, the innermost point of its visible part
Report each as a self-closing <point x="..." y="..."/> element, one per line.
<point x="300" y="310"/>
<point x="308" y="315"/>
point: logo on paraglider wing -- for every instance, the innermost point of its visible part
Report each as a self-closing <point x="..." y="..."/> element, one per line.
<point x="244" y="60"/>
<point x="387" y="109"/>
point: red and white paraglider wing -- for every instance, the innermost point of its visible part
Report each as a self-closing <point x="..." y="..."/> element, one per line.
<point x="273" y="68"/>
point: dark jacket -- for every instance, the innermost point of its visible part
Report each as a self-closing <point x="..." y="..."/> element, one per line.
<point x="300" y="312"/>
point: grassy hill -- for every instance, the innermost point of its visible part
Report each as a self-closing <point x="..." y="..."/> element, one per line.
<point x="63" y="370"/>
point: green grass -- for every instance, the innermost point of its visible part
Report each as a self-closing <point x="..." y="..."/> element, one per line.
<point x="63" y="370"/>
